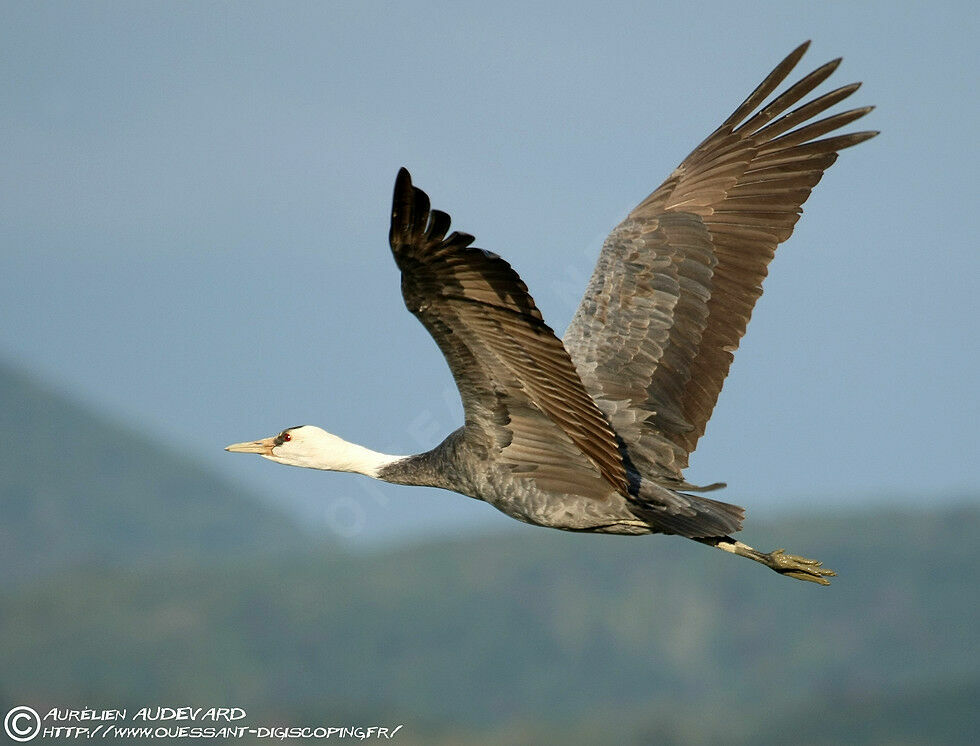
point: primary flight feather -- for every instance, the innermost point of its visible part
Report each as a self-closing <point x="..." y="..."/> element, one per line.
<point x="593" y="433"/>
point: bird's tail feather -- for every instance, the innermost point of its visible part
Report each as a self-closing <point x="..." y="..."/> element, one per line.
<point x="693" y="516"/>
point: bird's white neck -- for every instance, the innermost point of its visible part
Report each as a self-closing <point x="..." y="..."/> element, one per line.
<point x="313" y="448"/>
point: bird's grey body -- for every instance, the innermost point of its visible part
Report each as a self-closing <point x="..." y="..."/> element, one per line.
<point x="593" y="433"/>
<point x="460" y="465"/>
<point x="474" y="469"/>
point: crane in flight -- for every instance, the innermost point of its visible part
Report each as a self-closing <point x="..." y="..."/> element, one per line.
<point x="592" y="433"/>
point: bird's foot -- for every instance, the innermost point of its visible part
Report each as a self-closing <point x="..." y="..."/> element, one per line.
<point x="800" y="568"/>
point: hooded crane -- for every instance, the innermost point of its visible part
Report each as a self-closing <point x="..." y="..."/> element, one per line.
<point x="593" y="434"/>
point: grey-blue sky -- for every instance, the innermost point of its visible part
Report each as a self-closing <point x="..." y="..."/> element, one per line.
<point x="194" y="200"/>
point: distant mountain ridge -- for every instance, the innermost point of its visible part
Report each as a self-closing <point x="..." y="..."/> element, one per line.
<point x="132" y="576"/>
<point x="77" y="488"/>
<point x="539" y="637"/>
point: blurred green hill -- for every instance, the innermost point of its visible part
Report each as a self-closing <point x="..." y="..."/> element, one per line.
<point x="156" y="584"/>
<point x="537" y="637"/>
<point x="76" y="487"/>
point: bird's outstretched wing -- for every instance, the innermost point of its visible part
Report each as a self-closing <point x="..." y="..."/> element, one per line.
<point x="676" y="281"/>
<point x="517" y="382"/>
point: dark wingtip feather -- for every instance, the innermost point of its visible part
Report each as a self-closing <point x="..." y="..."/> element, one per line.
<point x="767" y="86"/>
<point x="456" y="238"/>
<point x="411" y="219"/>
<point x="855" y="138"/>
<point x="420" y="209"/>
<point x="403" y="189"/>
<point x="806" y="112"/>
<point x="401" y="208"/>
<point x="409" y="212"/>
<point x="814" y="130"/>
<point x="789" y="97"/>
<point x="439" y="223"/>
<point x="416" y="229"/>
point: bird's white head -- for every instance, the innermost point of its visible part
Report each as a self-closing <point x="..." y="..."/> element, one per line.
<point x="312" y="447"/>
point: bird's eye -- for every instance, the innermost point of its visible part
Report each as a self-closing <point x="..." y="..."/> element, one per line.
<point x="286" y="437"/>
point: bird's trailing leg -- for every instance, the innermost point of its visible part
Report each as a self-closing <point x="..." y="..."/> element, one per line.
<point x="785" y="564"/>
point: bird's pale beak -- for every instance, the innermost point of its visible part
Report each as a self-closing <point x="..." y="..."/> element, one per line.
<point x="263" y="446"/>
